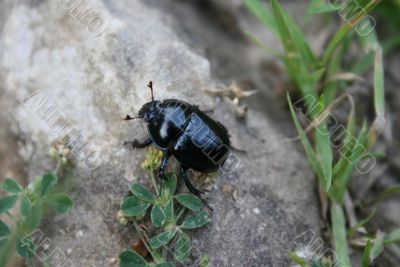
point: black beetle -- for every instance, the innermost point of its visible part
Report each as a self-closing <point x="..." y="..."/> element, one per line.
<point x="181" y="130"/>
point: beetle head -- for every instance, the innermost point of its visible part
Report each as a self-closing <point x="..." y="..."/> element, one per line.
<point x="150" y="110"/>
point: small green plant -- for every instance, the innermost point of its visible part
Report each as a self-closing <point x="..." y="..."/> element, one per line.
<point x="166" y="209"/>
<point x="321" y="81"/>
<point x="38" y="197"/>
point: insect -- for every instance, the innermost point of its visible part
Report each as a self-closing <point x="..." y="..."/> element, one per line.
<point x="181" y="130"/>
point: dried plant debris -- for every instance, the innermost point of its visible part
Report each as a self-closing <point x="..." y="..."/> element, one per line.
<point x="234" y="93"/>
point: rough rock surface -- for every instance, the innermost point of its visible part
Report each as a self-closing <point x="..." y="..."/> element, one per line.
<point x="90" y="80"/>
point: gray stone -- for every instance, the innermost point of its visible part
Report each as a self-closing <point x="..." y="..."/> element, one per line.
<point x="88" y="76"/>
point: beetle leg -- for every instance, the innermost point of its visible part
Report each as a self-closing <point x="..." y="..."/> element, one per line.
<point x="136" y="144"/>
<point x="191" y="188"/>
<point x="163" y="165"/>
<point x="189" y="184"/>
<point x="162" y="168"/>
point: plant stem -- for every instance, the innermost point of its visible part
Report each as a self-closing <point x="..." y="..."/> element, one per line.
<point x="137" y="228"/>
<point x="180" y="214"/>
<point x="58" y="166"/>
<point x="153" y="180"/>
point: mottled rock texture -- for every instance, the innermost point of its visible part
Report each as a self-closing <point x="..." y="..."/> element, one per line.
<point x="90" y="73"/>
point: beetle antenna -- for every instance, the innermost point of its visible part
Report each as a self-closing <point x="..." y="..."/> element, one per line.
<point x="128" y="118"/>
<point x="150" y="85"/>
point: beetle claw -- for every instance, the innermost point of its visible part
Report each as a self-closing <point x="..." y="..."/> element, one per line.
<point x="208" y="206"/>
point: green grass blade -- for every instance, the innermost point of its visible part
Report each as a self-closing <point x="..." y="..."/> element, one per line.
<point x="317" y="74"/>
<point x="262" y="13"/>
<point x="331" y="89"/>
<point x="366" y="139"/>
<point x="333" y="44"/>
<point x="301" y="43"/>
<point x="324" y="151"/>
<point x="339" y="235"/>
<point x="312" y="157"/>
<point x="379" y="84"/>
<point x="296" y="64"/>
<point x="343" y="176"/>
<point x="379" y="98"/>
<point x="321" y="6"/>
<point x="345" y="29"/>
<point x="323" y="148"/>
<point x="284" y="32"/>
<point x="293" y="32"/>
<point x="366" y="254"/>
<point x="297" y="259"/>
<point x="342" y="164"/>
<point x="270" y="21"/>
